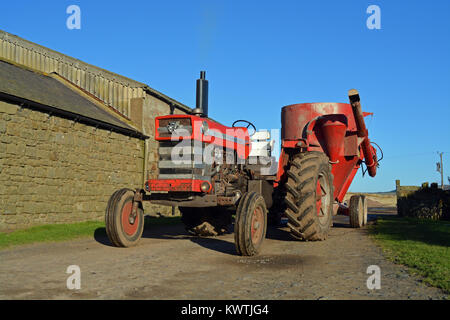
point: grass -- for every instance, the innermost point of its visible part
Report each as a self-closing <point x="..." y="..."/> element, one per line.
<point x="70" y="231"/>
<point x="422" y="245"/>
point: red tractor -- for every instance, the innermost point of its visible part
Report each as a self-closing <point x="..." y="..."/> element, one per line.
<point x="212" y="172"/>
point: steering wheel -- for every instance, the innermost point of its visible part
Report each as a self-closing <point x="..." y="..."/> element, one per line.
<point x="249" y="124"/>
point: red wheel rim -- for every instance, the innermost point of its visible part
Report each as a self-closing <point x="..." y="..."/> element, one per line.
<point x="257" y="225"/>
<point x="319" y="199"/>
<point x="323" y="199"/>
<point x="128" y="228"/>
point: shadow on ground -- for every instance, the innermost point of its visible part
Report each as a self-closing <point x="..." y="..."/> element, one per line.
<point x="173" y="232"/>
<point x="177" y="232"/>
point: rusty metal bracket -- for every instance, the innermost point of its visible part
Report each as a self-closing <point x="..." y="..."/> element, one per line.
<point x="137" y="200"/>
<point x="303" y="143"/>
<point x="225" y="201"/>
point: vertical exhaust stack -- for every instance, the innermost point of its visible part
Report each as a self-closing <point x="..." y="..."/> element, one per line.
<point x="201" y="108"/>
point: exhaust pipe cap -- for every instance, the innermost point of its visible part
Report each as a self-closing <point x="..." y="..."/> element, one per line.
<point x="201" y="96"/>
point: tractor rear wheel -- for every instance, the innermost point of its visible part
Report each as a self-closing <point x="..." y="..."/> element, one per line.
<point x="205" y="222"/>
<point x="358" y="211"/>
<point x="309" y="198"/>
<point x="250" y="225"/>
<point x="122" y="228"/>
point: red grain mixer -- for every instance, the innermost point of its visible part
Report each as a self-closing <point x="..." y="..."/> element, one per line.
<point x="323" y="146"/>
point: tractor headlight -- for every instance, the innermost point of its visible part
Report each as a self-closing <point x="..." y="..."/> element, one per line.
<point x="205" y="186"/>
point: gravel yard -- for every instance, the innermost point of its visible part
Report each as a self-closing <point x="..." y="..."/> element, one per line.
<point x="170" y="264"/>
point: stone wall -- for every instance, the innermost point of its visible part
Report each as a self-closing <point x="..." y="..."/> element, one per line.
<point x="426" y="202"/>
<point x="54" y="170"/>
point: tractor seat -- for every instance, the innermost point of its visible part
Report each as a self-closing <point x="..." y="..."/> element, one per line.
<point x="260" y="157"/>
<point x="261" y="144"/>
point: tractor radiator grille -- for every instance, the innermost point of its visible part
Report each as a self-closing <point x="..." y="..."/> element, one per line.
<point x="181" y="160"/>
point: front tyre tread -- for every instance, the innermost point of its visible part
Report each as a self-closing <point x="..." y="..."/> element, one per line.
<point x="113" y="219"/>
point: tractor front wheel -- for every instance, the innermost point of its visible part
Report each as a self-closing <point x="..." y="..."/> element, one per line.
<point x="122" y="227"/>
<point x="250" y="225"/>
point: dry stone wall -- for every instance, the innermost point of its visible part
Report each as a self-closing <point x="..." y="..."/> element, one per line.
<point x="426" y="202"/>
<point x="55" y="170"/>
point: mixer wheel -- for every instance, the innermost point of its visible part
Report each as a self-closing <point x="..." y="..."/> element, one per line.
<point x="309" y="196"/>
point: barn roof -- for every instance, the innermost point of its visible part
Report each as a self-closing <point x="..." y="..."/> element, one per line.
<point x="52" y="94"/>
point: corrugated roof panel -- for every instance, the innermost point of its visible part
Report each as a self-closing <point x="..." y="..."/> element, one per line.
<point x="45" y="90"/>
<point x="42" y="59"/>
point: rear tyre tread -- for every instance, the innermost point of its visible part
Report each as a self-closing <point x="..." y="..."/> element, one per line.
<point x="300" y="197"/>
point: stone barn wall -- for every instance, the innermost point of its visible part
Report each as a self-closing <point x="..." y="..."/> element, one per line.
<point x="55" y="170"/>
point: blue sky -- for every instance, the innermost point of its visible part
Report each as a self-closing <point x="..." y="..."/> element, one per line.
<point x="262" y="55"/>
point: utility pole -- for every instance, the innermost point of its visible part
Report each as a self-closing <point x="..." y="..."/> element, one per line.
<point x="440" y="167"/>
